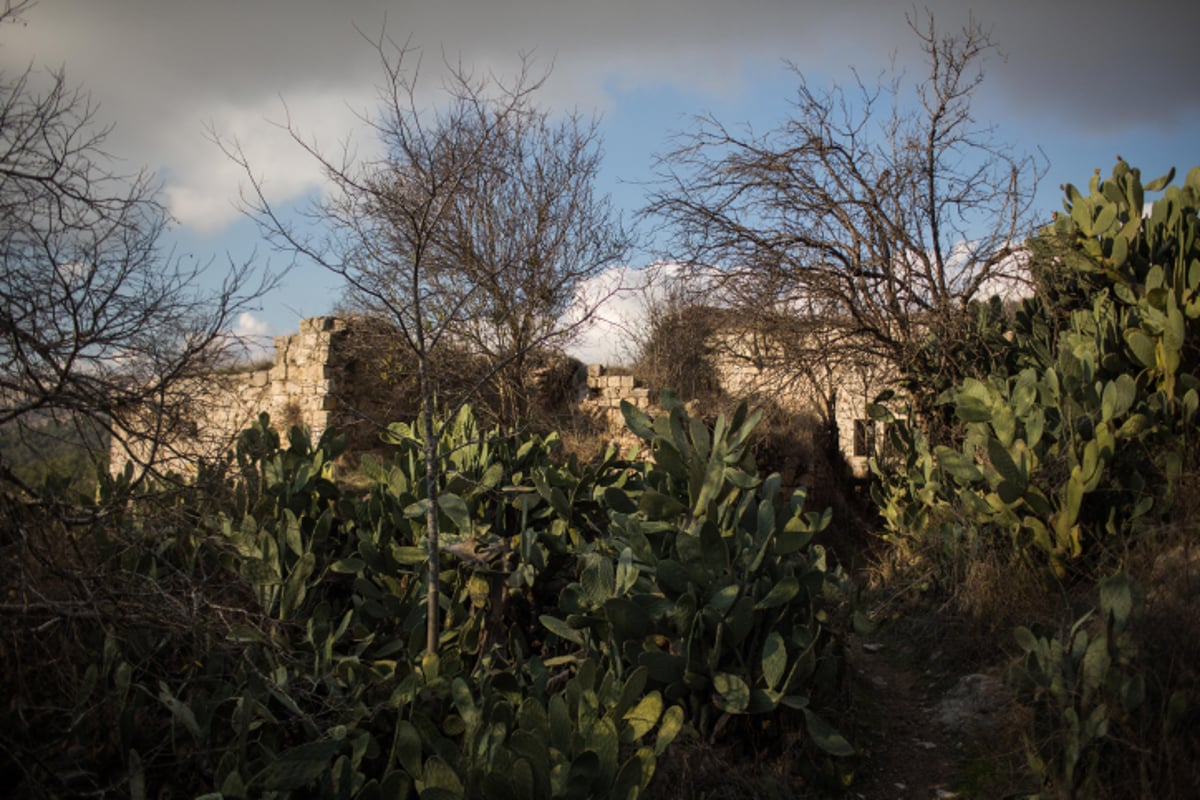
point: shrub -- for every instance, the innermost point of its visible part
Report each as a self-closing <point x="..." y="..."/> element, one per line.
<point x="266" y="639"/>
<point x="1104" y="412"/>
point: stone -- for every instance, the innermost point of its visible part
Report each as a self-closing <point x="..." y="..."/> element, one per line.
<point x="973" y="704"/>
<point x="309" y="370"/>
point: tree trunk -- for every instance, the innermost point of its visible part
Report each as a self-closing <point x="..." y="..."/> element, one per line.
<point x="428" y="434"/>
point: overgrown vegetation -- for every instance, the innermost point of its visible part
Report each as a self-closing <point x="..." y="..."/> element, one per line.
<point x="373" y="354"/>
<point x="264" y="635"/>
<point x="482" y="616"/>
<point x="1066" y="460"/>
<point x="684" y="347"/>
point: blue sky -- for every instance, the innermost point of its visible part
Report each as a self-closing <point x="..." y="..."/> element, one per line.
<point x="1079" y="86"/>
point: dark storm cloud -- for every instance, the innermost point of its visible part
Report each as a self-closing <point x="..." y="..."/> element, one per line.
<point x="161" y="68"/>
<point x="1102" y="65"/>
<point x="1081" y="60"/>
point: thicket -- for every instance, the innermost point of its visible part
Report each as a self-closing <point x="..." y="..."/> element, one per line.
<point x="374" y="354"/>
<point x="1069" y="460"/>
<point x="63" y="454"/>
<point x="262" y="633"/>
<point x="681" y="349"/>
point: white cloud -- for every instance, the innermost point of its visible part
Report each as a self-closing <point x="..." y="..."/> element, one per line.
<point x="249" y="325"/>
<point x="202" y="190"/>
<point x="254" y="335"/>
<point x="598" y="340"/>
<point x="624" y="296"/>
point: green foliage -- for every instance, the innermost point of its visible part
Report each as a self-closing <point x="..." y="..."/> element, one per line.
<point x="1070" y="450"/>
<point x="591" y="739"/>
<point x="718" y="588"/>
<point x="55" y="457"/>
<point x="282" y="541"/>
<point x="1074" y="443"/>
<point x="593" y="613"/>
<point x="1089" y="694"/>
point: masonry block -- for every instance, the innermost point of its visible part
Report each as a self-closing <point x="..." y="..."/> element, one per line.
<point x="308" y="377"/>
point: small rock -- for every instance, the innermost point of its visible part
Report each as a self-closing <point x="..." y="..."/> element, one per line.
<point x="926" y="745"/>
<point x="970" y="705"/>
<point x="872" y="647"/>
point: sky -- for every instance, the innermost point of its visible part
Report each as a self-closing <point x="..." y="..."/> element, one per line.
<point x="1075" y="84"/>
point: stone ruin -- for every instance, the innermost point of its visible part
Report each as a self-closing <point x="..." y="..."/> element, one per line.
<point x="315" y="380"/>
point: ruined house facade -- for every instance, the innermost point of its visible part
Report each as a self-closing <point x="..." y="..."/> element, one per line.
<point x="825" y="373"/>
<point x="315" y="379"/>
<point x="300" y="385"/>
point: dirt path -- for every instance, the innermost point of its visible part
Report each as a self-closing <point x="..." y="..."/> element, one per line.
<point x="909" y="753"/>
<point x="930" y="728"/>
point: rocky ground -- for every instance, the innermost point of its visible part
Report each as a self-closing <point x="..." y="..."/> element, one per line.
<point x="930" y="729"/>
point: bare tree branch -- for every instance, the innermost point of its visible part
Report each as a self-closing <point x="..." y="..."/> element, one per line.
<point x="472" y="231"/>
<point x="97" y="321"/>
<point x="882" y="209"/>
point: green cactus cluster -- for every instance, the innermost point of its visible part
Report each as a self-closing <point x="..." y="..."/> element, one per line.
<point x="712" y="581"/>
<point x="285" y="499"/>
<point x="592" y="615"/>
<point x="1090" y="694"/>
<point x="1069" y="450"/>
<point x="1075" y="441"/>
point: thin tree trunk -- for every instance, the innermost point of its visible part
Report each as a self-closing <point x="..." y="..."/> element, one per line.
<point x="433" y="622"/>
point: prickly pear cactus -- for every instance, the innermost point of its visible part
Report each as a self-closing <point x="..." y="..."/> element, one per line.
<point x="711" y="580"/>
<point x="1083" y="446"/>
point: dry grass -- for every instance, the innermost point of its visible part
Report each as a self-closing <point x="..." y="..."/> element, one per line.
<point x="964" y="602"/>
<point x="743" y="766"/>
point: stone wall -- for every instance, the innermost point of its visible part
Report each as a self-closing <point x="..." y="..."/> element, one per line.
<point x="752" y="366"/>
<point x="605" y="391"/>
<point x="300" y="386"/>
<point x="315" y="380"/>
<point x="307" y="375"/>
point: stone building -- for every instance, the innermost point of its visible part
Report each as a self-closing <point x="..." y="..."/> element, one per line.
<point x="318" y="378"/>
<point x="322" y="377"/>
<point x="818" y="372"/>
<point x="299" y="386"/>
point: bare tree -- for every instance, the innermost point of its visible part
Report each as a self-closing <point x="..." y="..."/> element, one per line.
<point x="877" y="214"/>
<point x="99" y="326"/>
<point x="525" y="236"/>
<point x="477" y="227"/>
